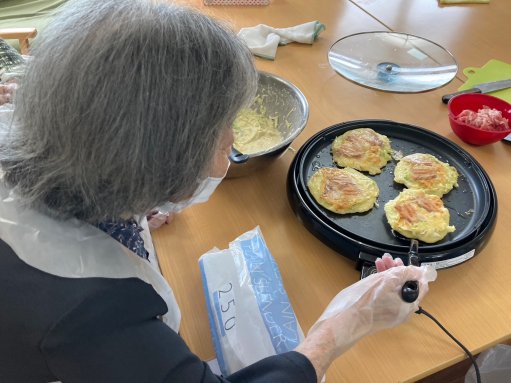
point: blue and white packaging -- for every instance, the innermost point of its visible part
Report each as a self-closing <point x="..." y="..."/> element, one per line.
<point x="249" y="311"/>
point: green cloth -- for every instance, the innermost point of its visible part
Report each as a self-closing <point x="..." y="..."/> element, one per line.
<point x="26" y="14"/>
<point x="20" y="11"/>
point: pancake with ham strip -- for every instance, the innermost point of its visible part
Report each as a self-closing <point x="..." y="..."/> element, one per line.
<point x="362" y="149"/>
<point x="426" y="172"/>
<point x="416" y="214"/>
<point x="343" y="191"/>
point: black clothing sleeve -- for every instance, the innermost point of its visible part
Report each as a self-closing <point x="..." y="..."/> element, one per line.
<point x="107" y="338"/>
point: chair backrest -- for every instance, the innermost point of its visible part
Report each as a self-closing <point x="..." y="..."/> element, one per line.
<point x="21" y="34"/>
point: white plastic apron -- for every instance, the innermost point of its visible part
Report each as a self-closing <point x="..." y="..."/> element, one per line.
<point x="74" y="249"/>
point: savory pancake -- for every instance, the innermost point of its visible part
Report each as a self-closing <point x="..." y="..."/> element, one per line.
<point x="415" y="214"/>
<point x="362" y="149"/>
<point x="426" y="172"/>
<point x="343" y="191"/>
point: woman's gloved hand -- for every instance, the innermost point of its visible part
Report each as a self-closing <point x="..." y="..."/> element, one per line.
<point x="369" y="305"/>
<point x="6" y="92"/>
<point x="373" y="304"/>
<point x="158" y="218"/>
<point x="387" y="262"/>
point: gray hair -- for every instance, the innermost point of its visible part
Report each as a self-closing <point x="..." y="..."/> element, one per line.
<point x="122" y="107"/>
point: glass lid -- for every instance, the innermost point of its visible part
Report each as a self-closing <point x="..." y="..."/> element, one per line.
<point x="392" y="62"/>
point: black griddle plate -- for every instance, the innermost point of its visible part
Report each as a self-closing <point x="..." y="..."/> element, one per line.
<point x="472" y="204"/>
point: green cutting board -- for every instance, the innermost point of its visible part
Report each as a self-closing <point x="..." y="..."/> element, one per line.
<point x="493" y="70"/>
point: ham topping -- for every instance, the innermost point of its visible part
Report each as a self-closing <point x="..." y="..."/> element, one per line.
<point x="353" y="148"/>
<point x="357" y="145"/>
<point x="339" y="186"/>
<point x="424" y="171"/>
<point x="429" y="204"/>
<point x="408" y="210"/>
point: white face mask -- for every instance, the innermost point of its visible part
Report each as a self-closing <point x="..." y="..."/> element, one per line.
<point x="202" y="193"/>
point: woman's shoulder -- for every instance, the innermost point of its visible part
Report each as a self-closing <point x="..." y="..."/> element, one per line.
<point x="42" y="291"/>
<point x="44" y="311"/>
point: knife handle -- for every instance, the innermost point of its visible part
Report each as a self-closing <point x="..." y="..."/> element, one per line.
<point x="447" y="97"/>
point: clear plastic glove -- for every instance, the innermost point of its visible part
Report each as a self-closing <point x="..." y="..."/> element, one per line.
<point x="158" y="218"/>
<point x="6" y="92"/>
<point x="387" y="262"/>
<point x="372" y="304"/>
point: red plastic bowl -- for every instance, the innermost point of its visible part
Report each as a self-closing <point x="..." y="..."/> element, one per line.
<point x="476" y="101"/>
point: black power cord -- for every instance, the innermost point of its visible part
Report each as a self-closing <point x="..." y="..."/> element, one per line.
<point x="469" y="354"/>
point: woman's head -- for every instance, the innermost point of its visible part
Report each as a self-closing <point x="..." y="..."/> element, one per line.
<point x="123" y="107"/>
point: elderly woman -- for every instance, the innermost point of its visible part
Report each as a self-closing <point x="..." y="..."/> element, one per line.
<point x="127" y="105"/>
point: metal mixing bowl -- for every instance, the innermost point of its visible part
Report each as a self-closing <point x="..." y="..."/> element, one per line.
<point x="279" y="98"/>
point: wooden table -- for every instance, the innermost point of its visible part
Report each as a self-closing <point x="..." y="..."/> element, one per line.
<point x="472" y="299"/>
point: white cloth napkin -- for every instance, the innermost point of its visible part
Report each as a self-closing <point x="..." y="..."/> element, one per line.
<point x="263" y="40"/>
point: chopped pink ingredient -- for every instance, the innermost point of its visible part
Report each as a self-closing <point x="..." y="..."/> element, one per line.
<point x="485" y="119"/>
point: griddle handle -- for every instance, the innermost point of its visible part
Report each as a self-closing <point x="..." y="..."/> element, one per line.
<point x="365" y="264"/>
<point x="410" y="290"/>
<point x="413" y="253"/>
